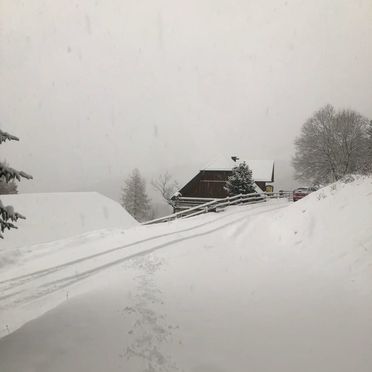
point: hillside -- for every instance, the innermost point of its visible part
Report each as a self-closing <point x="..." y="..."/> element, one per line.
<point x="276" y="286"/>
<point x="53" y="216"/>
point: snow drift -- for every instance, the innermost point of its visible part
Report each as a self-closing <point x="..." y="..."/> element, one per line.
<point x="269" y="287"/>
<point x="53" y="216"/>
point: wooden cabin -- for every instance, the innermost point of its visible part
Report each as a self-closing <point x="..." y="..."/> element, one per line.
<point x="209" y="182"/>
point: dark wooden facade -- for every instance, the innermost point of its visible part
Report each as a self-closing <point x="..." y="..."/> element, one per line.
<point x="210" y="184"/>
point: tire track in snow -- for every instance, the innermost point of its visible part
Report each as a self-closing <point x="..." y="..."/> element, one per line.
<point x="55" y="285"/>
<point x="43" y="272"/>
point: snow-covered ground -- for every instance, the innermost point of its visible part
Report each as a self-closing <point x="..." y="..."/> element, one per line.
<point x="269" y="287"/>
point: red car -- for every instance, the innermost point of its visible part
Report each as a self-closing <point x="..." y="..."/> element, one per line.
<point x="301" y="192"/>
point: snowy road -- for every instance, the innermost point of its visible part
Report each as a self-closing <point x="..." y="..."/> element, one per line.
<point x="271" y="287"/>
<point x="43" y="284"/>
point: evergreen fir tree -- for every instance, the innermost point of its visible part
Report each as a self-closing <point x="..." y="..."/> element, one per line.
<point x="8" y="188"/>
<point x="241" y="181"/>
<point x="369" y="133"/>
<point x="7" y="175"/>
<point x="134" y="198"/>
<point x="369" y="149"/>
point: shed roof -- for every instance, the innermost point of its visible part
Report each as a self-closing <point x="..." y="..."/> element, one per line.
<point x="262" y="170"/>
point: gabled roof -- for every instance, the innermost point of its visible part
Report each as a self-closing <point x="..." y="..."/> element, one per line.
<point x="262" y="170"/>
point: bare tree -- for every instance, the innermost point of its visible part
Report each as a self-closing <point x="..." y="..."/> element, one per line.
<point x="331" y="145"/>
<point x="166" y="186"/>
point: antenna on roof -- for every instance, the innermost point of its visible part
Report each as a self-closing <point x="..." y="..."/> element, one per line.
<point x="235" y="158"/>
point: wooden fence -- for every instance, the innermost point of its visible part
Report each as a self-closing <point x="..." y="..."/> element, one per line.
<point x="196" y="206"/>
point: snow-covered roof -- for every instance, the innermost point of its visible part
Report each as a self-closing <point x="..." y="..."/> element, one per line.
<point x="262" y="170"/>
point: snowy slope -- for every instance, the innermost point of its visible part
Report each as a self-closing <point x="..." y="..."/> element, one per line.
<point x="53" y="216"/>
<point x="270" y="287"/>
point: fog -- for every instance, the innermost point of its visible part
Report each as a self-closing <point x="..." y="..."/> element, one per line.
<point x="96" y="88"/>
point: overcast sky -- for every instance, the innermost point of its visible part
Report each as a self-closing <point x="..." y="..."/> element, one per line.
<point x="96" y="88"/>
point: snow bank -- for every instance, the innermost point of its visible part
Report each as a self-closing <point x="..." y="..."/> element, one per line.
<point x="53" y="216"/>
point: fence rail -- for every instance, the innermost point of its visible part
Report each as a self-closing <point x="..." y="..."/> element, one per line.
<point x="202" y="206"/>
